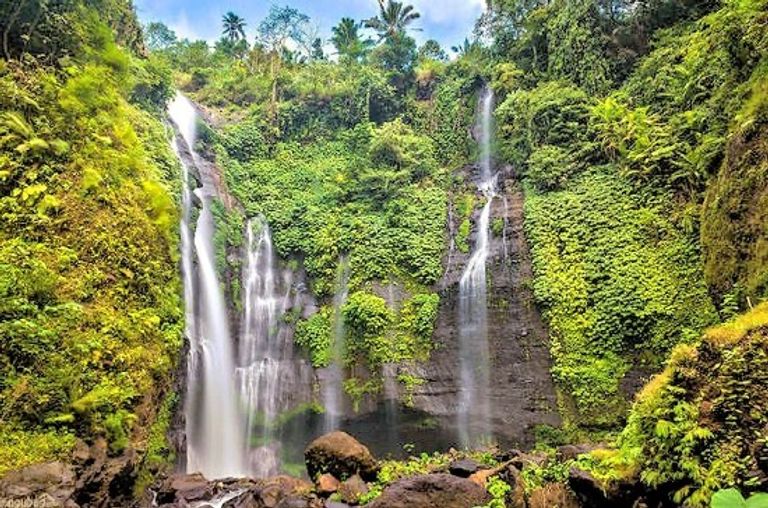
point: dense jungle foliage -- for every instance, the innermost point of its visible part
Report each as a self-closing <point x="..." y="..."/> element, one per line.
<point x="637" y="127"/>
<point x="623" y="143"/>
<point x="90" y="309"/>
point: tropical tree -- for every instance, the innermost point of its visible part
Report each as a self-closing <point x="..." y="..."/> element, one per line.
<point x="159" y="36"/>
<point x="318" y="53"/>
<point x="346" y="38"/>
<point x="465" y="47"/>
<point x="432" y="50"/>
<point x="281" y="25"/>
<point x="234" y="26"/>
<point x="284" y="24"/>
<point x="393" y="19"/>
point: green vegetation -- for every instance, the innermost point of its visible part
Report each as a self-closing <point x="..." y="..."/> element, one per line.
<point x="732" y="498"/>
<point x="620" y="285"/>
<point x="392" y="470"/>
<point x="617" y="141"/>
<point x="699" y="426"/>
<point x="498" y="489"/>
<point x="90" y="313"/>
<point x="638" y="130"/>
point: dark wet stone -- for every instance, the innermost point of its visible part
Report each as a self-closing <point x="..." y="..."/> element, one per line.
<point x="341" y="455"/>
<point x="463" y="468"/>
<point x="432" y="491"/>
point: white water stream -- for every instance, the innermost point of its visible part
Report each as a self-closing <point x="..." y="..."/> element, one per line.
<point x="215" y="437"/>
<point x="333" y="382"/>
<point x="474" y="359"/>
<point x="271" y="378"/>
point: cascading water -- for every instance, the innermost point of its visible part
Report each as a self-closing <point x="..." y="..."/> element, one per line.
<point x="333" y="381"/>
<point x="270" y="376"/>
<point x="215" y="438"/>
<point x="474" y="357"/>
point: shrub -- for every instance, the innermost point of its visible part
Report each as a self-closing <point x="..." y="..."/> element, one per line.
<point x="549" y="167"/>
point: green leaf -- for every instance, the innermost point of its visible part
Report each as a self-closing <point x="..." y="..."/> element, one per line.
<point x="728" y="498"/>
<point x="759" y="500"/>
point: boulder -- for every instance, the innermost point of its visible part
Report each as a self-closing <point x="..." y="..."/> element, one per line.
<point x="341" y="455"/>
<point x="52" y="483"/>
<point x="463" y="468"/>
<point x="592" y="493"/>
<point x="432" y="491"/>
<point x="326" y="484"/>
<point x="273" y="491"/>
<point x="352" y="489"/>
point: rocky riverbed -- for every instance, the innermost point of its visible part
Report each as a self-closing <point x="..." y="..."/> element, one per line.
<point x="342" y="473"/>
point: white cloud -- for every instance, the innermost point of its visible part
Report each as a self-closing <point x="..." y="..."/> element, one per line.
<point x="450" y="12"/>
<point x="183" y="28"/>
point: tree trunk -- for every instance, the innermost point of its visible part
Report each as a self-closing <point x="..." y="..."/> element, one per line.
<point x="11" y="22"/>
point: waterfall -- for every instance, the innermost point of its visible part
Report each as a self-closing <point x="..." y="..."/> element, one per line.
<point x="270" y="376"/>
<point x="474" y="358"/>
<point x="333" y="389"/>
<point x="215" y="445"/>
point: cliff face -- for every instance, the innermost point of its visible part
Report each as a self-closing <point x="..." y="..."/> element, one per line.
<point x="734" y="226"/>
<point x="522" y="393"/>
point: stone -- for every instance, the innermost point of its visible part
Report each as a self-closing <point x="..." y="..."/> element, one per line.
<point x="336" y="504"/>
<point x="52" y="482"/>
<point x="273" y="491"/>
<point x="295" y="502"/>
<point x="341" y="455"/>
<point x="591" y="493"/>
<point x="529" y="459"/>
<point x="463" y="468"/>
<point x="439" y="490"/>
<point x="184" y="488"/>
<point x="326" y="484"/>
<point x="572" y="452"/>
<point x="352" y="489"/>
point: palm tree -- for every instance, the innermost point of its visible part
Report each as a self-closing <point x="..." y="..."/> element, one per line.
<point x="393" y="19"/>
<point x="464" y="48"/>
<point x="234" y="26"/>
<point x="347" y="41"/>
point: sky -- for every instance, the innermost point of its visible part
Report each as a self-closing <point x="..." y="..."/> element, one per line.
<point x="447" y="21"/>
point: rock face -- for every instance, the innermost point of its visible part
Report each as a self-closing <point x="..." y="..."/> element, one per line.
<point x="432" y="491"/>
<point x="52" y="483"/>
<point x="341" y="455"/>
<point x="93" y="479"/>
<point x="522" y="391"/>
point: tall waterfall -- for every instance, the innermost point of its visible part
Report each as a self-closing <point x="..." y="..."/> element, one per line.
<point x="474" y="404"/>
<point x="270" y="376"/>
<point x="333" y="383"/>
<point x="215" y="437"/>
